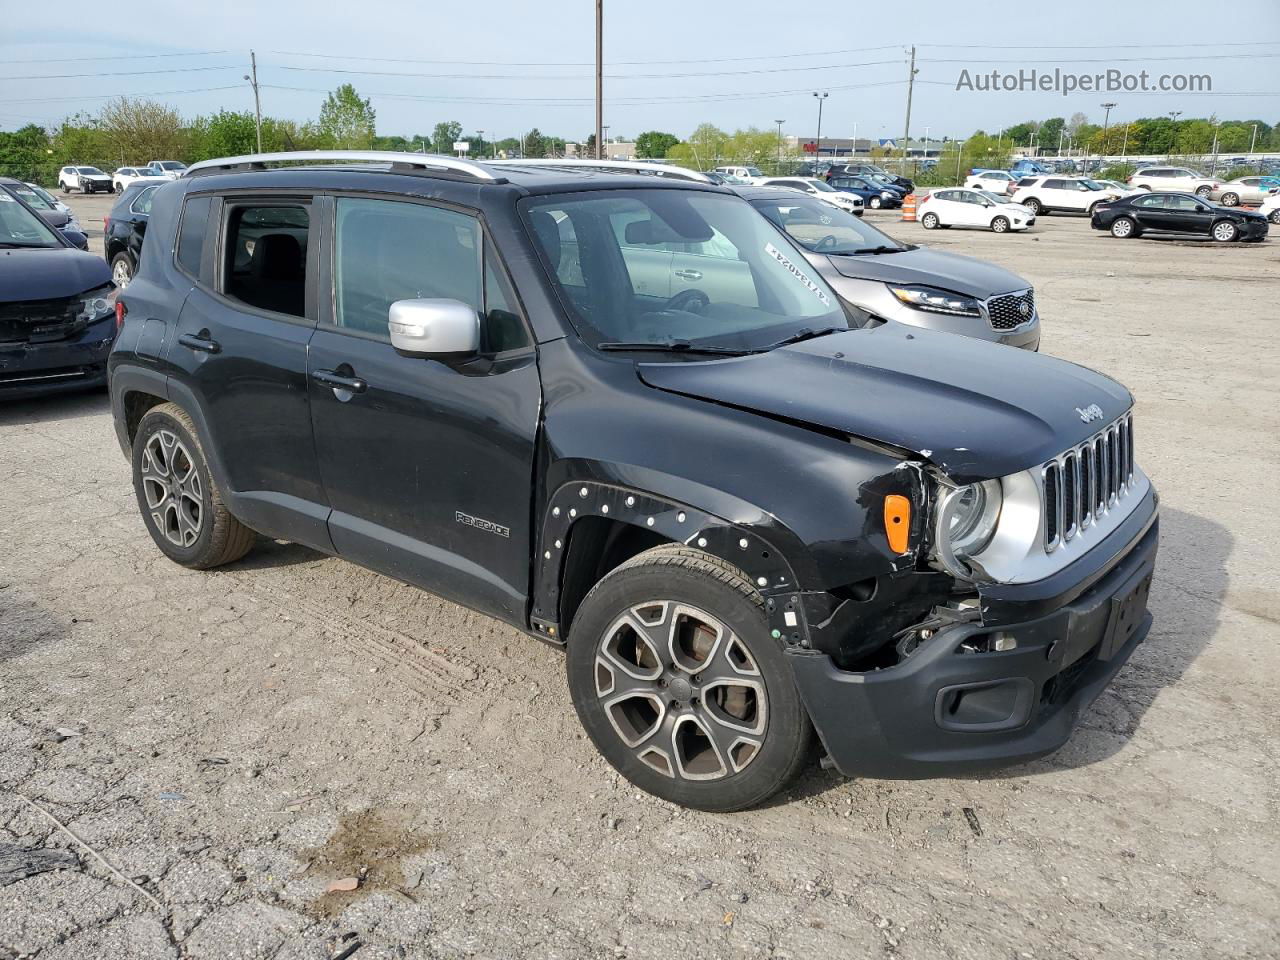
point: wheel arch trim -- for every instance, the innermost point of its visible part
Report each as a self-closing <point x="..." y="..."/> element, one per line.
<point x="742" y="544"/>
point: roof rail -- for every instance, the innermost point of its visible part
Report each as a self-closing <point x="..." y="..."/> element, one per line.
<point x="627" y="166"/>
<point x="418" y="161"/>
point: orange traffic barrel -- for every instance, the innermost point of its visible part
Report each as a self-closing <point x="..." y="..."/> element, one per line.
<point x="909" y="207"/>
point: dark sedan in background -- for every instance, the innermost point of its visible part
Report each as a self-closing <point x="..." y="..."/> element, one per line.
<point x="45" y="207"/>
<point x="125" y="227"/>
<point x="57" y="306"/>
<point x="1185" y="213"/>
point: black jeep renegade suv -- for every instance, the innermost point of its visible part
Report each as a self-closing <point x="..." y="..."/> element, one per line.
<point x="621" y="413"/>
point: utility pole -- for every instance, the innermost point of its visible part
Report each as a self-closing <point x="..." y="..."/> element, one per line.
<point x="599" y="79"/>
<point x="252" y="77"/>
<point x="906" y="130"/>
<point x="1216" y="124"/>
<point x="1106" y="124"/>
<point x="1173" y="134"/>
<point x="817" y="147"/>
<point x="1124" y="147"/>
<point x="780" y="123"/>
<point x="480" y="149"/>
<point x="1253" y="141"/>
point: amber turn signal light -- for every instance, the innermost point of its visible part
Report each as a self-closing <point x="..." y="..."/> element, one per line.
<point x="897" y="522"/>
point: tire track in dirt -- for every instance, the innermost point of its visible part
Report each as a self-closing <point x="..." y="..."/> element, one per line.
<point x="430" y="674"/>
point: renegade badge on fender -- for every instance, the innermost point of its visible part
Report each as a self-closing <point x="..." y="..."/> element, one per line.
<point x="744" y="516"/>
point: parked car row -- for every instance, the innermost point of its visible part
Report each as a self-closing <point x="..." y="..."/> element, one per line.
<point x="93" y="180"/>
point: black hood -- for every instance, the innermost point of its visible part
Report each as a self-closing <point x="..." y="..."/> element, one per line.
<point x="47" y="273"/>
<point x="950" y="271"/>
<point x="977" y="410"/>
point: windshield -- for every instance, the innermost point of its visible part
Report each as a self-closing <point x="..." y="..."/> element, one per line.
<point x="677" y="267"/>
<point x="19" y="227"/>
<point x="1093" y="184"/>
<point x="90" y="171"/>
<point x="822" y="186"/>
<point x="754" y="172"/>
<point x="991" y="196"/>
<point x="822" y="228"/>
<point x="33" y="199"/>
<point x="172" y="165"/>
<point x="44" y="195"/>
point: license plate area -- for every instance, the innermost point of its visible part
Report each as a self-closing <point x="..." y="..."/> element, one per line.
<point x="1128" y="607"/>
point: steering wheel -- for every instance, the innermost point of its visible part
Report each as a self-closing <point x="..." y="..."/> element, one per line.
<point x="826" y="243"/>
<point x="690" y="301"/>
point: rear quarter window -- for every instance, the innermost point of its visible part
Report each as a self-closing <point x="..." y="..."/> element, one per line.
<point x="191" y="234"/>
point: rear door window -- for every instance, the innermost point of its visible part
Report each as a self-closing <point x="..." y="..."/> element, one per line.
<point x="265" y="255"/>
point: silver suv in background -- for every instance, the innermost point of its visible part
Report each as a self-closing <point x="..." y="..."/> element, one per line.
<point x="901" y="282"/>
<point x="1173" y="180"/>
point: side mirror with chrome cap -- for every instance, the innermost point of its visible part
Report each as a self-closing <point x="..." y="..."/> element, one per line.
<point x="430" y="328"/>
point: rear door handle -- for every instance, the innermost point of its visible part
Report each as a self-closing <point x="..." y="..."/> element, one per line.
<point x="689" y="274"/>
<point x="202" y="344"/>
<point x="331" y="378"/>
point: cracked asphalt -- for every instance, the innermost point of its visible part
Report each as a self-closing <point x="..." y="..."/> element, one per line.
<point x="233" y="742"/>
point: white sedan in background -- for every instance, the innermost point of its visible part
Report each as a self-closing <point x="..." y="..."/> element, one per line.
<point x="959" y="207"/>
<point x="993" y="181"/>
<point x="127" y="175"/>
<point x="820" y="189"/>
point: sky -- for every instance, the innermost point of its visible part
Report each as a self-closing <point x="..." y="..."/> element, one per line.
<point x="505" y="66"/>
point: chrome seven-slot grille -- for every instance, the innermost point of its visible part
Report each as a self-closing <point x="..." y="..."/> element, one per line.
<point x="1011" y="310"/>
<point x="1081" y="485"/>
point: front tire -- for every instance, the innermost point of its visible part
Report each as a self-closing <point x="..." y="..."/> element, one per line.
<point x="875" y="203"/>
<point x="1000" y="225"/>
<point x="1224" y="231"/>
<point x="1203" y="191"/>
<point x="929" y="221"/>
<point x="1231" y="199"/>
<point x="1122" y="228"/>
<point x="678" y="683"/>
<point x="181" y="504"/>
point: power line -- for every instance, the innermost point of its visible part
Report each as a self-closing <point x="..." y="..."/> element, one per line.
<point x="129" y="56"/>
<point x="122" y="73"/>
<point x="1099" y="46"/>
<point x="112" y="96"/>
<point x="621" y="63"/>
<point x="575" y="76"/>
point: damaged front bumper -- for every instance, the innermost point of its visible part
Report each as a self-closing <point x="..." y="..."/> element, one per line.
<point x="945" y="710"/>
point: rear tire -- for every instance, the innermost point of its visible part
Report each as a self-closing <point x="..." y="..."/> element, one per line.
<point x="929" y="221"/>
<point x="122" y="269"/>
<point x="1033" y="205"/>
<point x="707" y="649"/>
<point x="1274" y="215"/>
<point x="181" y="504"/>
<point x="1122" y="228"/>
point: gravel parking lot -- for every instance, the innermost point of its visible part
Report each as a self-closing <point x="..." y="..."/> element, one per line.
<point x="232" y="742"/>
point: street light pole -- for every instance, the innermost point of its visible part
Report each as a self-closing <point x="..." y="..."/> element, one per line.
<point x="599" y="78"/>
<point x="1253" y="141"/>
<point x="1106" y="123"/>
<point x="252" y="77"/>
<point x="817" y="148"/>
<point x="480" y="149"/>
<point x="1173" y="134"/>
<point x="779" y="123"/>
<point x="906" y="127"/>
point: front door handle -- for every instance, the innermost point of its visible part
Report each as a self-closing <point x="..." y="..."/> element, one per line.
<point x="331" y="378"/>
<point x="200" y="342"/>
<point x="689" y="275"/>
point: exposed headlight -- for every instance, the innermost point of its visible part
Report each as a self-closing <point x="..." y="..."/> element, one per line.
<point x="886" y="194"/>
<point x="937" y="301"/>
<point x="97" y="304"/>
<point x="966" y="522"/>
